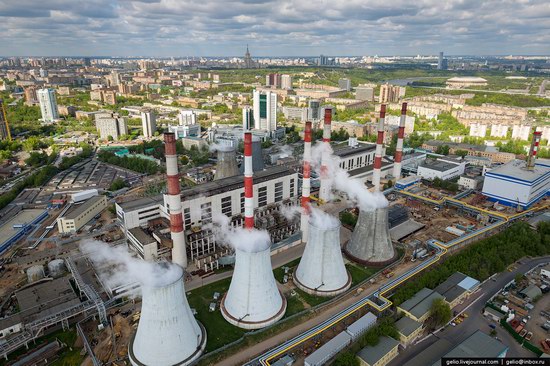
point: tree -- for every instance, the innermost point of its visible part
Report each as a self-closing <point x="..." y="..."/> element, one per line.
<point x="462" y="153"/>
<point x="440" y="312"/>
<point x="117" y="184"/>
<point x="518" y="277"/>
<point x="346" y="359"/>
<point x="110" y="138"/>
<point x="442" y="150"/>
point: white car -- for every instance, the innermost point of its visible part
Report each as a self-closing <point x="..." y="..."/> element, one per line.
<point x="453" y="324"/>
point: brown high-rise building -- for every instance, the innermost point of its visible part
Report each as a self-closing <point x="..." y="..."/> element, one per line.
<point x="4" y="127"/>
<point x="31" y="98"/>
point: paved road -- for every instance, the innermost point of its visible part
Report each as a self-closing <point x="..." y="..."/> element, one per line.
<point x="476" y="320"/>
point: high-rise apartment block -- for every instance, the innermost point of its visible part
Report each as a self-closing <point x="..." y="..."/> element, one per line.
<point x="48" y="105"/>
<point x="186" y="118"/>
<point x="111" y="124"/>
<point x="390" y="93"/>
<point x="148" y="123"/>
<point x="265" y="110"/>
<point x="286" y="82"/>
<point x="314" y="110"/>
<point x="273" y="80"/>
<point x="31" y="98"/>
<point x="344" y="84"/>
<point x="4" y="127"/>
<point x="363" y="92"/>
<point x="248" y="118"/>
<point x="441" y="62"/>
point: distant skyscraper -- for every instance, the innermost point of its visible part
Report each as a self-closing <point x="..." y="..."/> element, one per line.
<point x="265" y="110"/>
<point x="286" y="82"/>
<point x="4" y="127"/>
<point x="111" y="124"/>
<point x="344" y="84"/>
<point x="441" y="62"/>
<point x="48" y="105"/>
<point x="248" y="62"/>
<point x="248" y="118"/>
<point x="148" y="123"/>
<point x="273" y="80"/>
<point x="87" y="61"/>
<point x="43" y="73"/>
<point x="313" y="110"/>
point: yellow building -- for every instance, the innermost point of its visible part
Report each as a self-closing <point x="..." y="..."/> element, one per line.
<point x="408" y="330"/>
<point x="81" y="214"/>
<point x="418" y="307"/>
<point x="379" y="355"/>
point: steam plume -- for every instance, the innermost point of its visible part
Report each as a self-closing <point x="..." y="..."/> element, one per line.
<point x="247" y="240"/>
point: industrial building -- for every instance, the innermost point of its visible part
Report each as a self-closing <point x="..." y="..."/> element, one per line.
<point x="478" y="345"/>
<point x="81" y="214"/>
<point x="441" y="168"/>
<point x="355" y="155"/>
<point x="418" y="306"/>
<point x="381" y="354"/>
<point x="408" y="330"/>
<point x="512" y="184"/>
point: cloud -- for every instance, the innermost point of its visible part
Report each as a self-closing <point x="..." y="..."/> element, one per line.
<point x="271" y="28"/>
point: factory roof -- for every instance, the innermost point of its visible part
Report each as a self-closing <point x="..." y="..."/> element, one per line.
<point x="407" y="326"/>
<point x="405" y="229"/>
<point x="142" y="202"/>
<point x="516" y="170"/>
<point x="421" y="302"/>
<point x="81" y="208"/>
<point x="235" y="182"/>
<point x="42" y="296"/>
<point x="345" y="150"/>
<point x="478" y="344"/>
<point x="142" y="236"/>
<point x="441" y="166"/>
<point x="531" y="291"/>
<point x="456" y="285"/>
<point x="10" y="321"/>
<point x="373" y="354"/>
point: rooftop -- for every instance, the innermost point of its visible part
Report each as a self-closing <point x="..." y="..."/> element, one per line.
<point x="456" y="285"/>
<point x="142" y="202"/>
<point x="516" y="169"/>
<point x="407" y="326"/>
<point x="441" y="166"/>
<point x="372" y="354"/>
<point x="321" y="354"/>
<point x="142" y="236"/>
<point x="44" y="295"/>
<point x="477" y="345"/>
<point x="344" y="151"/>
<point x="81" y="208"/>
<point x="421" y="302"/>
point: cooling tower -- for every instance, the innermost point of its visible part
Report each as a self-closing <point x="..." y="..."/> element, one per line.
<point x="321" y="270"/>
<point x="257" y="160"/>
<point x="253" y="300"/>
<point x="167" y="333"/>
<point x="227" y="163"/>
<point x="370" y="242"/>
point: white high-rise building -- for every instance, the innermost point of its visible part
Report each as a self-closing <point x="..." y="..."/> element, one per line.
<point x="265" y="110"/>
<point x="521" y="132"/>
<point x="48" y="105"/>
<point x="478" y="130"/>
<point x="148" y="123"/>
<point x="186" y="118"/>
<point x="286" y="82"/>
<point x="111" y="124"/>
<point x="498" y="130"/>
<point x="248" y="118"/>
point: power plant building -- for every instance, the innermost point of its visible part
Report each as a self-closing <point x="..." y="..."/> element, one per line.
<point x="81" y="214"/>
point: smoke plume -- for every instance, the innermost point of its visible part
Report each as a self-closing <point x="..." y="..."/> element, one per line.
<point x="213" y="147"/>
<point x="116" y="266"/>
<point x="339" y="179"/>
<point x="323" y="220"/>
<point x="239" y="238"/>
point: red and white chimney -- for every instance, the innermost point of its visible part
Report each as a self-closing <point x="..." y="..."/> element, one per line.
<point x="379" y="147"/>
<point x="306" y="183"/>
<point x="248" y="183"/>
<point x="531" y="159"/>
<point x="179" y="255"/>
<point x="324" y="189"/>
<point x="399" y="146"/>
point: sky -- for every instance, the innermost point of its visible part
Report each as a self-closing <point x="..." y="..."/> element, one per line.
<point x="273" y="27"/>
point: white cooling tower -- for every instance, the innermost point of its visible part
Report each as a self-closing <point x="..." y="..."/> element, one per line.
<point x="253" y="300"/>
<point x="227" y="163"/>
<point x="167" y="333"/>
<point x="370" y="242"/>
<point x="321" y="270"/>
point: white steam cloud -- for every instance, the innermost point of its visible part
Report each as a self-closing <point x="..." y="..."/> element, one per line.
<point x="339" y="179"/>
<point x="221" y="147"/>
<point x="287" y="150"/>
<point x="116" y="266"/>
<point x="239" y="238"/>
<point x="323" y="220"/>
<point x="290" y="212"/>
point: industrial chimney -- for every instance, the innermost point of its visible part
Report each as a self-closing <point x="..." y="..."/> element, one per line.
<point x="179" y="255"/>
<point x="370" y="242"/>
<point x="253" y="300"/>
<point x="227" y="163"/>
<point x="321" y="271"/>
<point x="399" y="146"/>
<point x="531" y="159"/>
<point x="325" y="187"/>
<point x="306" y="183"/>
<point x="379" y="147"/>
<point x="167" y="333"/>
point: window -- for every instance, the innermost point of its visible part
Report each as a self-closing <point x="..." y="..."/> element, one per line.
<point x="292" y="187"/>
<point x="262" y="196"/>
<point x="206" y="213"/>
<point x="278" y="192"/>
<point x="226" y="206"/>
<point x="242" y="202"/>
<point x="263" y="106"/>
<point x="187" y="218"/>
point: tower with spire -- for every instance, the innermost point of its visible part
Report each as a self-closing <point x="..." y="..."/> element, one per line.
<point x="248" y="62"/>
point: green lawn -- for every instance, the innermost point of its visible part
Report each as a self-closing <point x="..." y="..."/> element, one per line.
<point x="279" y="272"/>
<point x="294" y="305"/>
<point x="359" y="273"/>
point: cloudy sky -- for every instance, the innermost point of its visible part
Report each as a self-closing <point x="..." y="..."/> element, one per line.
<point x="273" y="27"/>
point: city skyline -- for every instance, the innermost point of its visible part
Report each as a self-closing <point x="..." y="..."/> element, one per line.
<point x="166" y="28"/>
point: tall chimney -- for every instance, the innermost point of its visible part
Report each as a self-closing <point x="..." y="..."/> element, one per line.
<point x="179" y="255"/>
<point x="399" y="146"/>
<point x="248" y="183"/>
<point x="533" y="150"/>
<point x="379" y="146"/>
<point x="306" y="183"/>
<point x="324" y="189"/>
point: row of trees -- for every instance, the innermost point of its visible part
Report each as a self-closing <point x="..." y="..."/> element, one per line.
<point x="67" y="162"/>
<point x="36" y="179"/>
<point x="480" y="260"/>
<point x="132" y="163"/>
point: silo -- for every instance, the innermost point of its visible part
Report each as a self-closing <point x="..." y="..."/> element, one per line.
<point x="370" y="242"/>
<point x="35" y="273"/>
<point x="167" y="333"/>
<point x="321" y="271"/>
<point x="56" y="268"/>
<point x="227" y="163"/>
<point x="253" y="300"/>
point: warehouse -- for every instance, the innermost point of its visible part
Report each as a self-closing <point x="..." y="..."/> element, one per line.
<point x="381" y="354"/>
<point x="443" y="169"/>
<point x="478" y="345"/>
<point x="513" y="185"/>
<point x="81" y="214"/>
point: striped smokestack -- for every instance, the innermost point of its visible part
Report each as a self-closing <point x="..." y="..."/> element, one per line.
<point x="248" y="183"/>
<point x="379" y="146"/>
<point x="306" y="184"/>
<point x="399" y="146"/>
<point x="179" y="255"/>
<point x="324" y="189"/>
<point x="531" y="159"/>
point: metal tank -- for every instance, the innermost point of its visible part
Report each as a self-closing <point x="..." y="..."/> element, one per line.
<point x="370" y="242"/>
<point x="168" y="333"/>
<point x="253" y="300"/>
<point x="227" y="163"/>
<point x="56" y="268"/>
<point x="35" y="273"/>
<point x="321" y="271"/>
